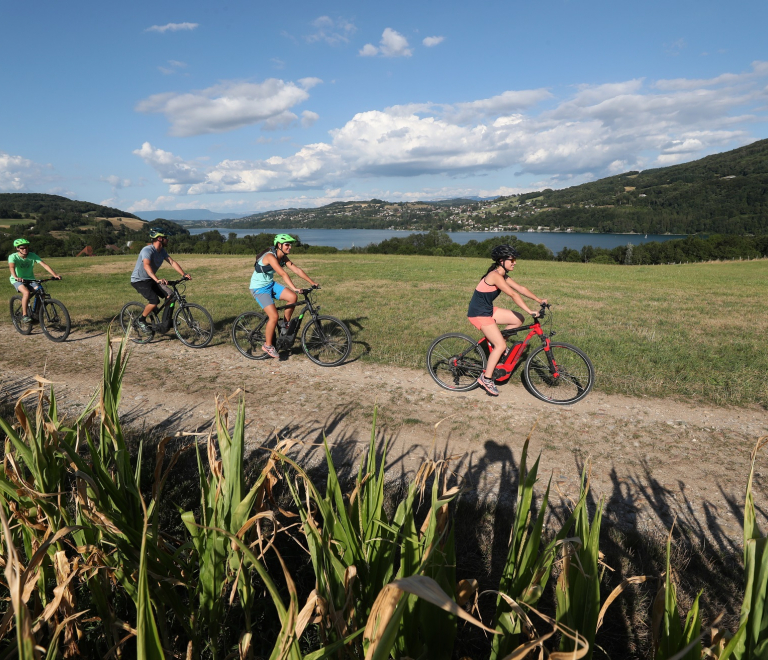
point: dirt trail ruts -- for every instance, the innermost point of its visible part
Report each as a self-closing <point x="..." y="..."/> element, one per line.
<point x="652" y="459"/>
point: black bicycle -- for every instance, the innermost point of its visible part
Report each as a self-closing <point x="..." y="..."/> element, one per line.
<point x="325" y="339"/>
<point x="49" y="312"/>
<point x="192" y="323"/>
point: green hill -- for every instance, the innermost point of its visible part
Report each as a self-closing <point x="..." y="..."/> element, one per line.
<point x="15" y="205"/>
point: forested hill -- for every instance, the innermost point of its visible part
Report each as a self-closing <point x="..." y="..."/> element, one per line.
<point x="15" y="205"/>
<point x="725" y="194"/>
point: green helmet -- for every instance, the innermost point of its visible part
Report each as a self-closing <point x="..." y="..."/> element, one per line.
<point x="20" y="241"/>
<point x="284" y="238"/>
<point x="156" y="233"/>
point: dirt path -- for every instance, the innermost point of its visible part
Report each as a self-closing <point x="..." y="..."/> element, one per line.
<point x="652" y="459"/>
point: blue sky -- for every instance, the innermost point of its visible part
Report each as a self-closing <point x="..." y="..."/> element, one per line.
<point x="243" y="107"/>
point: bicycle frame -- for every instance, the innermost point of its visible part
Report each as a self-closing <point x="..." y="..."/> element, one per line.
<point x="38" y="293"/>
<point x="512" y="357"/>
<point x="306" y="305"/>
<point x="165" y="311"/>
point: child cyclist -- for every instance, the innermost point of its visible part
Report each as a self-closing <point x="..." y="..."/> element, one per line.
<point x="265" y="289"/>
<point x="22" y="267"/>
<point x="485" y="316"/>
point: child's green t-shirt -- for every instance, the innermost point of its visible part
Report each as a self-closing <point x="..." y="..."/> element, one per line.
<point x="25" y="268"/>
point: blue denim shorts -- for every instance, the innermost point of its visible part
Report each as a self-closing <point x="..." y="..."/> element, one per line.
<point x="16" y="285"/>
<point x="264" y="296"/>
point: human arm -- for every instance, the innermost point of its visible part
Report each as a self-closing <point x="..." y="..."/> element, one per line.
<point x="177" y="267"/>
<point x="49" y="269"/>
<point x="12" y="267"/>
<point x="272" y="261"/>
<point x="301" y="273"/>
<point x="513" y="290"/>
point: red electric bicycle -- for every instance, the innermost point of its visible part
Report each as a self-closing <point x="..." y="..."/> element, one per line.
<point x="554" y="372"/>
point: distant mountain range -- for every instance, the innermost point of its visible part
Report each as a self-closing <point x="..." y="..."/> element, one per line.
<point x="192" y="215"/>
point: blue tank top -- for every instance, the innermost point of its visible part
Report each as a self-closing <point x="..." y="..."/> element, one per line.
<point x="264" y="274"/>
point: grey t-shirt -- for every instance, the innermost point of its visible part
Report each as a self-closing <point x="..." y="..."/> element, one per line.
<point x="156" y="259"/>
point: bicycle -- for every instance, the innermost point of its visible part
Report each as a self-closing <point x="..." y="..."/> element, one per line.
<point x="49" y="312"/>
<point x="326" y="340"/>
<point x="554" y="372"/>
<point x="192" y="323"/>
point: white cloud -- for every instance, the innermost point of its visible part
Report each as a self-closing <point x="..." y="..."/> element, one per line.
<point x="116" y="182"/>
<point x="429" y="42"/>
<point x="228" y="106"/>
<point x="158" y="204"/>
<point x="596" y="131"/>
<point x="308" y="118"/>
<point x="331" y="31"/>
<point x="172" y="27"/>
<point x="19" y="174"/>
<point x="369" y="50"/>
<point x="392" y="44"/>
<point x="173" y="67"/>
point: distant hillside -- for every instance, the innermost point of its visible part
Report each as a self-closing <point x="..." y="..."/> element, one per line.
<point x="14" y="205"/>
<point x="186" y="214"/>
<point x="725" y="193"/>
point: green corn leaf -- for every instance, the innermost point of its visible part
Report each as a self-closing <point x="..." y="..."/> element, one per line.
<point x="148" y="644"/>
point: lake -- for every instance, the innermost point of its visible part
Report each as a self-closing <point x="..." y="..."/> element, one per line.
<point x="344" y="239"/>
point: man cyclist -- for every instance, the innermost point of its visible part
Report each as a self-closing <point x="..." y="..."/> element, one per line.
<point x="265" y="289"/>
<point x="144" y="278"/>
<point x="22" y="267"/>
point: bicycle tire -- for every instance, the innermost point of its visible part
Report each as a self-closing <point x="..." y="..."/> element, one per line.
<point x="16" y="316"/>
<point x="129" y="315"/>
<point x="448" y="370"/>
<point x="248" y="335"/>
<point x="194" y="329"/>
<point x="326" y="341"/>
<point x="575" y="374"/>
<point x="54" y="320"/>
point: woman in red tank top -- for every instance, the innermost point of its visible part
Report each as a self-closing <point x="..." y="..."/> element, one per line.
<point x="485" y="316"/>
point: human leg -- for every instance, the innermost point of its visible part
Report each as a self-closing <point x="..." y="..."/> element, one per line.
<point x="508" y="318"/>
<point x="494" y="337"/>
<point x="289" y="297"/>
<point x="25" y="293"/>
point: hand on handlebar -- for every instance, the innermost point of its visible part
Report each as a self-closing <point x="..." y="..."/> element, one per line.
<point x="163" y="282"/>
<point x="186" y="276"/>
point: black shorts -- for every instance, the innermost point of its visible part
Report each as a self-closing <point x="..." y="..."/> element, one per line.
<point x="151" y="290"/>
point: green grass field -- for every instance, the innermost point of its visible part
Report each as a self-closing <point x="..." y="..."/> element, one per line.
<point x="7" y="223"/>
<point x="695" y="331"/>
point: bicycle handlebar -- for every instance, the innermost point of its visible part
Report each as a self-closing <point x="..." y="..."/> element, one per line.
<point x="48" y="279"/>
<point x="175" y="282"/>
<point x="309" y="289"/>
<point x="542" y="311"/>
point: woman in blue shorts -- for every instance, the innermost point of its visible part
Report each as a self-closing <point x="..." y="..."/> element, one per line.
<point x="265" y="290"/>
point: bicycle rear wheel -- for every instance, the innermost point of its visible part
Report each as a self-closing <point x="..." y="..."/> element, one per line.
<point x="129" y="321"/>
<point x="326" y="341"/>
<point x="54" y="320"/>
<point x="571" y="380"/>
<point x="16" y="316"/>
<point x="455" y="362"/>
<point x="193" y="325"/>
<point x="248" y="334"/>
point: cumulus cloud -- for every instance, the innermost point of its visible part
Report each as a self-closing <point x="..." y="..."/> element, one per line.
<point x="116" y="182"/>
<point x="331" y="31"/>
<point x="172" y="27"/>
<point x="158" y="204"/>
<point x="432" y="41"/>
<point x="392" y="44"/>
<point x="19" y="174"/>
<point x="595" y="131"/>
<point x="229" y="105"/>
<point x="308" y="118"/>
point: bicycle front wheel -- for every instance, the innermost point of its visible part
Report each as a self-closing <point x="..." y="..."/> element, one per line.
<point x="17" y="315"/>
<point x="455" y="362"/>
<point x="248" y="334"/>
<point x="568" y="379"/>
<point x="326" y="341"/>
<point x="54" y="320"/>
<point x="193" y="325"/>
<point x="129" y="321"/>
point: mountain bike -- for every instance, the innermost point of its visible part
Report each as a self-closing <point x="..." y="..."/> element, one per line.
<point x="325" y="339"/>
<point x="49" y="312"/>
<point x="192" y="323"/>
<point x="554" y="372"/>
